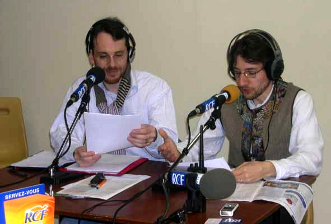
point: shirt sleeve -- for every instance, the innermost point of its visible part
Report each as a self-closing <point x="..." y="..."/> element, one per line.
<point x="58" y="130"/>
<point x="162" y="115"/>
<point x="212" y="140"/>
<point x="306" y="142"/>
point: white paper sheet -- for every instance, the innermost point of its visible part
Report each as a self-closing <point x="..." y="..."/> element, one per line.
<point x="107" y="132"/>
<point x="42" y="159"/>
<point x="108" y="164"/>
<point x="113" y="186"/>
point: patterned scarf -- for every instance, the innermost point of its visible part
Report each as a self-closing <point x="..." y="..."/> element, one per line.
<point x="116" y="106"/>
<point x="252" y="147"/>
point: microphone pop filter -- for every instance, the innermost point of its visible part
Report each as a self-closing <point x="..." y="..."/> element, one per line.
<point x="98" y="73"/>
<point x="233" y="91"/>
<point x="217" y="184"/>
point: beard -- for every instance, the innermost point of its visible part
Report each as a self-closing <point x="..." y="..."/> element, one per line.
<point x="253" y="93"/>
<point x="114" y="75"/>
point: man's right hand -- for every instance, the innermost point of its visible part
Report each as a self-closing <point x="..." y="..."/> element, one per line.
<point x="169" y="149"/>
<point x="85" y="158"/>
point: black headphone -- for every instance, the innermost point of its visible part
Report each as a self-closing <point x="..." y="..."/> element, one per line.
<point x="116" y="24"/>
<point x="276" y="67"/>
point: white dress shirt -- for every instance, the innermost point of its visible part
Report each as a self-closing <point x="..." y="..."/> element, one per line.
<point x="306" y="142"/>
<point x="149" y="96"/>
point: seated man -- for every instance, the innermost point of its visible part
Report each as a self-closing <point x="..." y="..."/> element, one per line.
<point x="111" y="46"/>
<point x="272" y="127"/>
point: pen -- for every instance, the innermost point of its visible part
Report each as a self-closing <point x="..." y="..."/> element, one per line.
<point x="102" y="183"/>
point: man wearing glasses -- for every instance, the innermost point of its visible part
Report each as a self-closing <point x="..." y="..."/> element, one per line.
<point x="110" y="46"/>
<point x="272" y="128"/>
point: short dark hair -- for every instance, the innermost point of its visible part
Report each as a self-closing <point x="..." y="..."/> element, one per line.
<point x="253" y="49"/>
<point x="110" y="25"/>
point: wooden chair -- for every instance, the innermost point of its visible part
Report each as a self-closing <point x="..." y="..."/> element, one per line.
<point x="309" y="216"/>
<point x="13" y="145"/>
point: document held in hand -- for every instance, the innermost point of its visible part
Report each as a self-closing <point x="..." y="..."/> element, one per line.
<point x="107" y="132"/>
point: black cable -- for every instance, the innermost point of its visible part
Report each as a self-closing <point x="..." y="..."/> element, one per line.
<point x="132" y="198"/>
<point x="272" y="113"/>
<point x="96" y="205"/>
<point x="165" y="190"/>
<point x="25" y="179"/>
<point x="67" y="127"/>
<point x="189" y="131"/>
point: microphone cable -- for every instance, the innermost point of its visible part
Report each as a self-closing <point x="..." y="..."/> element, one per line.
<point x="189" y="131"/>
<point x="272" y="114"/>
<point x="162" y="218"/>
<point x="96" y="205"/>
<point x="25" y="179"/>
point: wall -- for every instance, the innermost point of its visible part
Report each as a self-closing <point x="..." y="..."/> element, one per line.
<point x="182" y="41"/>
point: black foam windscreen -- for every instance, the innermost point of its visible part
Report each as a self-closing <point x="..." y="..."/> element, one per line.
<point x="98" y="73"/>
<point x="217" y="184"/>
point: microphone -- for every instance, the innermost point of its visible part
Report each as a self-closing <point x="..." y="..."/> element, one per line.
<point x="215" y="184"/>
<point x="228" y="94"/>
<point x="93" y="77"/>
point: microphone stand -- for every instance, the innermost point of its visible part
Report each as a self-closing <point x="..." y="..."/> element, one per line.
<point x="179" y="215"/>
<point x="196" y="202"/>
<point x="55" y="178"/>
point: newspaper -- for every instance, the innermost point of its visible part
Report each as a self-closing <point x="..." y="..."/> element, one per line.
<point x="294" y="196"/>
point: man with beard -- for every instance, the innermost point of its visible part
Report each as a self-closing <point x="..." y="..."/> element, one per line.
<point x="110" y="46"/>
<point x="272" y="127"/>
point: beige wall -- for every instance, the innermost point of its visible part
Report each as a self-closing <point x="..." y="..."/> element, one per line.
<point x="184" y="42"/>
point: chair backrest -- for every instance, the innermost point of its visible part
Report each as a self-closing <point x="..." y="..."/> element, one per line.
<point x="13" y="145"/>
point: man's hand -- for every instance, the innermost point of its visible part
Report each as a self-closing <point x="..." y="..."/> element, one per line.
<point x="169" y="149"/>
<point x="249" y="172"/>
<point x="143" y="136"/>
<point x="84" y="158"/>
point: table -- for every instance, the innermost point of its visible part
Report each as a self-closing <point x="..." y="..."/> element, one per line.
<point x="150" y="205"/>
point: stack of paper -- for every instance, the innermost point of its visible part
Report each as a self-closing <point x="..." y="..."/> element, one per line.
<point x="113" y="186"/>
<point x="42" y="159"/>
<point x="110" y="165"/>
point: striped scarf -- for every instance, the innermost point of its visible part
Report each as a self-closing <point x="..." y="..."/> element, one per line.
<point x="115" y="107"/>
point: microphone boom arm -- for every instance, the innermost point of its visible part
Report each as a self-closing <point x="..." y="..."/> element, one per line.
<point x="52" y="179"/>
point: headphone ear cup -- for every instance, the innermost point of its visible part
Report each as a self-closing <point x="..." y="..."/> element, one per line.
<point x="277" y="68"/>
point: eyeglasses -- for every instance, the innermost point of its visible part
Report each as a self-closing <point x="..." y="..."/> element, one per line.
<point x="247" y="73"/>
<point x="117" y="57"/>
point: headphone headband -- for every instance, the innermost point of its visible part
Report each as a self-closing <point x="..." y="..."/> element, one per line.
<point x="276" y="67"/>
<point x="116" y="24"/>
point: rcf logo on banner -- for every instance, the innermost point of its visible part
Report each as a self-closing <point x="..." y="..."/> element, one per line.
<point x="35" y="209"/>
<point x="36" y="213"/>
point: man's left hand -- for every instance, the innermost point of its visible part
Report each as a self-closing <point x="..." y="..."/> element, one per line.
<point x="143" y="136"/>
<point x="249" y="172"/>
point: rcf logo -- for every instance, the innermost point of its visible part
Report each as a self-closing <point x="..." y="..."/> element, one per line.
<point x="178" y="179"/>
<point x="231" y="220"/>
<point x="35" y="214"/>
<point x="210" y="105"/>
